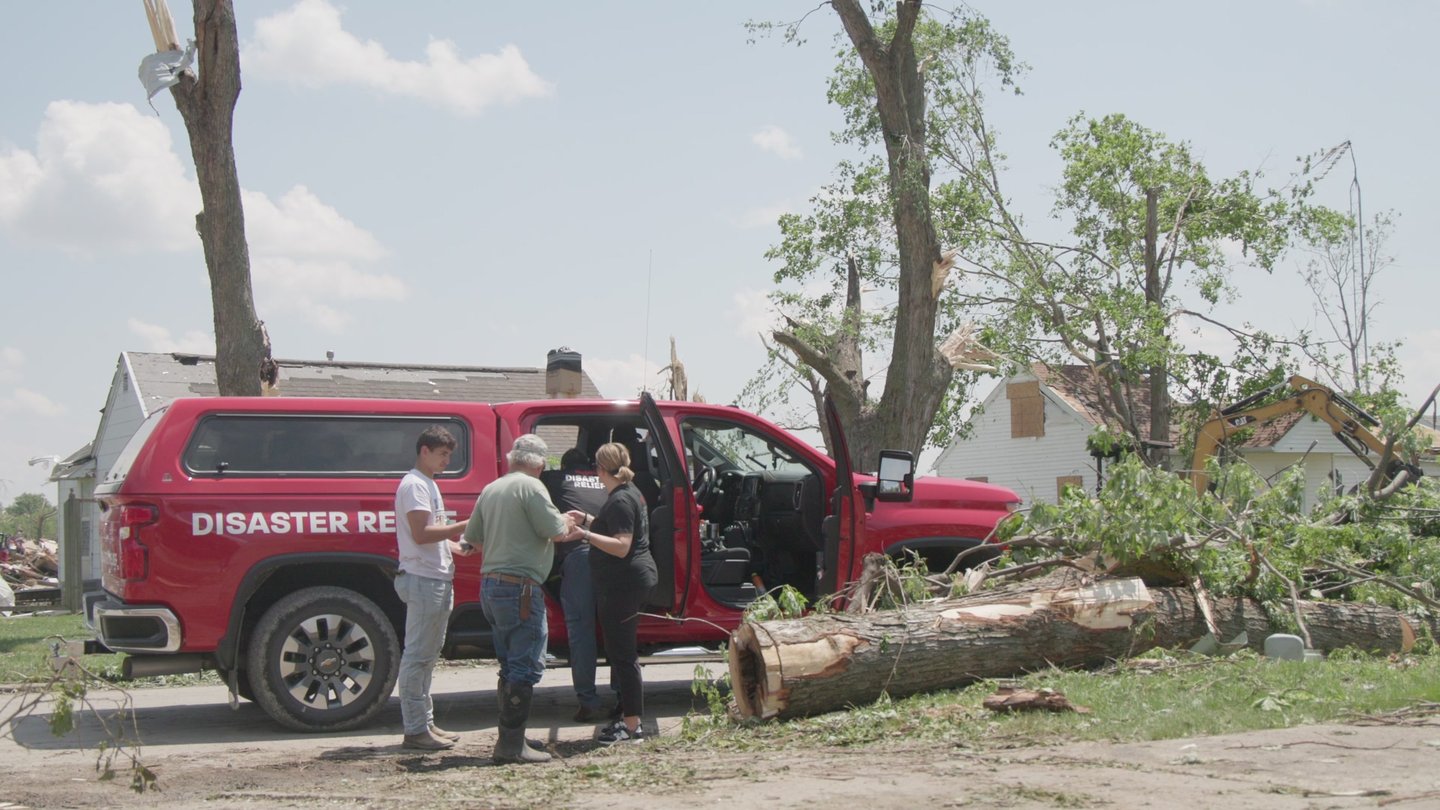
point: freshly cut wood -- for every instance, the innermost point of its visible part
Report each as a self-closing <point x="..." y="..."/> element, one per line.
<point x="823" y="662"/>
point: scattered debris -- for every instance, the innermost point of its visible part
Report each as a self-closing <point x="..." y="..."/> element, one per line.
<point x="1016" y="699"/>
<point x="30" y="569"/>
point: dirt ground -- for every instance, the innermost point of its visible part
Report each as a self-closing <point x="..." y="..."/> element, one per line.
<point x="206" y="754"/>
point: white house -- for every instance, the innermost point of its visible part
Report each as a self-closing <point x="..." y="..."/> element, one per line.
<point x="1031" y="437"/>
<point x="144" y="382"/>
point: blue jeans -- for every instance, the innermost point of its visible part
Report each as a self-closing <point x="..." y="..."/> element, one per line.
<point x="519" y="642"/>
<point x="427" y="609"/>
<point x="577" y="598"/>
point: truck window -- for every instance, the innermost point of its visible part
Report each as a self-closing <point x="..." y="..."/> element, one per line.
<point x="728" y="446"/>
<point x="315" y="445"/>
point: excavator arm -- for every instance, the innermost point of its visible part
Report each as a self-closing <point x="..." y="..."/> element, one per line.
<point x="1348" y="422"/>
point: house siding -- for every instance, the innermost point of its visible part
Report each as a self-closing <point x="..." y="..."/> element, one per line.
<point x="123" y="416"/>
<point x="1030" y="466"/>
<point x="1034" y="467"/>
<point x="1319" y="468"/>
<point x="1310" y="443"/>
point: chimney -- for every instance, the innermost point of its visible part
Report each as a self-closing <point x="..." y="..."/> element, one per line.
<point x="562" y="373"/>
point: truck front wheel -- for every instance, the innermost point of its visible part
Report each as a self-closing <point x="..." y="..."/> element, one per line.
<point x="323" y="659"/>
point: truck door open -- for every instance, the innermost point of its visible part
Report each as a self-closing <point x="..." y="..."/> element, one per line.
<point x="844" y="527"/>
<point x="670" y="528"/>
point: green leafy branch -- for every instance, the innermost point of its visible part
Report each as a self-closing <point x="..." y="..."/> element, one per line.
<point x="66" y="695"/>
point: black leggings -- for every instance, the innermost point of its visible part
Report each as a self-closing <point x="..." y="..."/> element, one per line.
<point x="616" y="609"/>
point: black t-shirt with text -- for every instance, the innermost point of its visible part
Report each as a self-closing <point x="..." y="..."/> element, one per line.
<point x="623" y="513"/>
<point x="577" y="488"/>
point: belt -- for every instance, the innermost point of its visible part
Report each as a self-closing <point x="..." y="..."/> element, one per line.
<point x="526" y="584"/>
<point x="510" y="578"/>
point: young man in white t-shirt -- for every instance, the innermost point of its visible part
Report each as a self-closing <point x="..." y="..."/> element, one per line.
<point x="425" y="583"/>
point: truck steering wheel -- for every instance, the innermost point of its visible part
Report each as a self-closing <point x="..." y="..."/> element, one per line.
<point x="704" y="484"/>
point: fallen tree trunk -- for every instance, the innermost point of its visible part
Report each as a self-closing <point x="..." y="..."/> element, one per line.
<point x="823" y="662"/>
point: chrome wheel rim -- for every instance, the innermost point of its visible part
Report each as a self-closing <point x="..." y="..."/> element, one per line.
<point x="327" y="662"/>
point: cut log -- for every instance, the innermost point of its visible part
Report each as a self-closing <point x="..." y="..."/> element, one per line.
<point x="824" y="662"/>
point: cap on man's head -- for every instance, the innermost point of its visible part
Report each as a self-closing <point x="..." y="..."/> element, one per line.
<point x="530" y="443"/>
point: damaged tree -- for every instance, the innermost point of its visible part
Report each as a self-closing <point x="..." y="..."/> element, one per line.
<point x="207" y="103"/>
<point x="884" y="226"/>
<point x="799" y="667"/>
<point x="1148" y="563"/>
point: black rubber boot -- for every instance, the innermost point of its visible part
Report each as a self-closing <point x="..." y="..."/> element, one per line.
<point x="511" y="747"/>
<point x="501" y="689"/>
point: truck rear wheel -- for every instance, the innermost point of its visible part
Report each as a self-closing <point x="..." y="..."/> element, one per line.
<point x="323" y="659"/>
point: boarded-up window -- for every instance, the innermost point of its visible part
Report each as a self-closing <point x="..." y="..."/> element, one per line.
<point x="1027" y="410"/>
<point x="984" y="479"/>
<point x="1065" y="482"/>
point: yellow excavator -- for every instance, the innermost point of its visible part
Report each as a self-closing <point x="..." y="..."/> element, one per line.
<point x="1350" y="423"/>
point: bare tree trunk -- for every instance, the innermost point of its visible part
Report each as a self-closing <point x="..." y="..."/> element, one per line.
<point x="1159" y="453"/>
<point x="207" y="104"/>
<point x="823" y="662"/>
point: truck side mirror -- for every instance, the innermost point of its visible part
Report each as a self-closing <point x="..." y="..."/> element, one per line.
<point x="896" y="479"/>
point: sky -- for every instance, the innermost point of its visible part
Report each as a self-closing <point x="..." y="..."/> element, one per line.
<point x="478" y="183"/>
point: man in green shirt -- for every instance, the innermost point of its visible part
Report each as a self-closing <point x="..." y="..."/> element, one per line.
<point x="515" y="525"/>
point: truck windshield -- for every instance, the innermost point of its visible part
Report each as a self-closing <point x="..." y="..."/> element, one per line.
<point x="727" y="446"/>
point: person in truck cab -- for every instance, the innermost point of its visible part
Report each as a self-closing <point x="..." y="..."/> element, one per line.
<point x="425" y="584"/>
<point x="576" y="486"/>
<point x="516" y="526"/>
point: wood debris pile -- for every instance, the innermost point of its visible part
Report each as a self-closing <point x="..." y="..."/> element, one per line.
<point x="27" y="564"/>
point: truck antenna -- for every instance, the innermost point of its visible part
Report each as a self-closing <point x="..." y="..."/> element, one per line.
<point x="645" y="364"/>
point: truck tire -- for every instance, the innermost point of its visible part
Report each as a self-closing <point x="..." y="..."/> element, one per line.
<point x="323" y="659"/>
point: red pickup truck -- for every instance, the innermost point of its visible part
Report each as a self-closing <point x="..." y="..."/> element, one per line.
<point x="256" y="535"/>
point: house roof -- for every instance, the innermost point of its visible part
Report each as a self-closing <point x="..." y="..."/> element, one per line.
<point x="160" y="378"/>
<point x="1080" y="388"/>
<point x="79" y="464"/>
<point x="1268" y="434"/>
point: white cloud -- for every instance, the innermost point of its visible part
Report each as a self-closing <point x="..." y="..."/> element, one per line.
<point x="308" y="45"/>
<point x="623" y="378"/>
<point x="23" y="400"/>
<point x="158" y="339"/>
<point x="764" y="216"/>
<point x="776" y="141"/>
<point x="752" y="313"/>
<point x="313" y="288"/>
<point x="11" y="361"/>
<point x="103" y="178"/>
<point x="300" y="225"/>
<point x="303" y="257"/>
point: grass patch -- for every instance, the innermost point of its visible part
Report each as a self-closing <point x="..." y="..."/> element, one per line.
<point x="25" y="651"/>
<point x="1144" y="699"/>
<point x="25" y="646"/>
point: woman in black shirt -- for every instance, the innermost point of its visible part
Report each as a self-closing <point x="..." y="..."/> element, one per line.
<point x="622" y="573"/>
